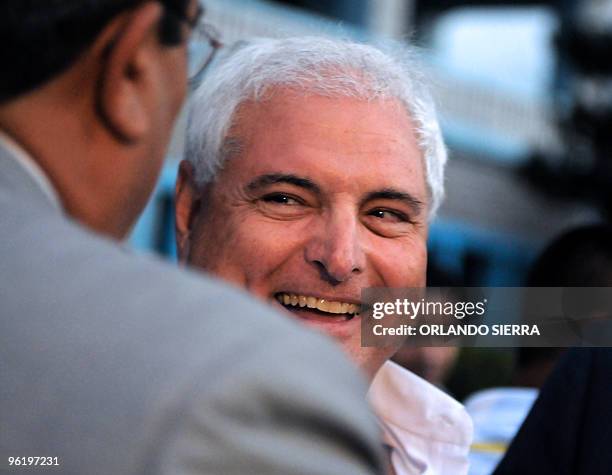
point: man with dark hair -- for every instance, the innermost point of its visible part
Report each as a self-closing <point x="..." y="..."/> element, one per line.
<point x="568" y="429"/>
<point x="112" y="362"/>
<point x="56" y="32"/>
<point x="581" y="257"/>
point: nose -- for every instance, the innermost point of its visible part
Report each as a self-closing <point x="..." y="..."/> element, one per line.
<point x="336" y="249"/>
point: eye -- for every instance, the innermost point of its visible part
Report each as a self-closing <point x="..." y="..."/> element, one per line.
<point x="389" y="215"/>
<point x="389" y="222"/>
<point x="282" y="205"/>
<point x="281" y="199"/>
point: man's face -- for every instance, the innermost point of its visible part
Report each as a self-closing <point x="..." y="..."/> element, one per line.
<point x="326" y="197"/>
<point x="140" y="111"/>
<point x="169" y="94"/>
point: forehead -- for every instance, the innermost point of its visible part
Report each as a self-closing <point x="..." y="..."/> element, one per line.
<point x="342" y="138"/>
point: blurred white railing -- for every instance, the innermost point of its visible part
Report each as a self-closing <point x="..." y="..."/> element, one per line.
<point x="474" y="117"/>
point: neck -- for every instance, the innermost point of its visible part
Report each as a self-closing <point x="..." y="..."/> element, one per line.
<point x="63" y="138"/>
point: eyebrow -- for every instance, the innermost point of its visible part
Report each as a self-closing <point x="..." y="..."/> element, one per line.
<point x="273" y="178"/>
<point x="392" y="194"/>
<point x="262" y="181"/>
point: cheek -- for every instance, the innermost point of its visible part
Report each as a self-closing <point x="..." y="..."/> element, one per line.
<point x="176" y="81"/>
<point x="269" y="249"/>
<point x="401" y="263"/>
<point x="241" y="249"/>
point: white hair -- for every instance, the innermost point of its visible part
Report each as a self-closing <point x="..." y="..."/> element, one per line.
<point x="319" y="66"/>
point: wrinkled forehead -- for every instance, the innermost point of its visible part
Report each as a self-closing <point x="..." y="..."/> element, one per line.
<point x="345" y="122"/>
<point x="297" y="132"/>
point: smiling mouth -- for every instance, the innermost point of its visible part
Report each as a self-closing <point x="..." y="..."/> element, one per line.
<point x="317" y="306"/>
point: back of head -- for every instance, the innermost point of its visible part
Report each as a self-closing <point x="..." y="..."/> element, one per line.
<point x="84" y="80"/>
<point x="312" y="66"/>
<point x="580" y="258"/>
<point x="39" y="39"/>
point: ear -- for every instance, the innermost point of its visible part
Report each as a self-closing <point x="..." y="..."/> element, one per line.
<point x="128" y="75"/>
<point x="188" y="203"/>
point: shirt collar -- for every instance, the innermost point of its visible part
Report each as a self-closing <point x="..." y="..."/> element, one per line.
<point x="410" y="403"/>
<point x="428" y="431"/>
<point x="31" y="168"/>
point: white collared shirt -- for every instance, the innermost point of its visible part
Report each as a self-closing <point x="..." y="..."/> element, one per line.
<point x="31" y="168"/>
<point x="427" y="431"/>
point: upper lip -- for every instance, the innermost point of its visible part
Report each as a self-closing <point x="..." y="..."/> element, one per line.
<point x="327" y="297"/>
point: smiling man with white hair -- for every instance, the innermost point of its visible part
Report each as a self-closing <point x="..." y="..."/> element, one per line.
<point x="313" y="168"/>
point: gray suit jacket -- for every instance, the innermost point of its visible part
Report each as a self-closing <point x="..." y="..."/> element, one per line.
<point x="123" y="364"/>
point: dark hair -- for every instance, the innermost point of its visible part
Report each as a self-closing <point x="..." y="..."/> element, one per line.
<point x="39" y="39"/>
<point x="580" y="258"/>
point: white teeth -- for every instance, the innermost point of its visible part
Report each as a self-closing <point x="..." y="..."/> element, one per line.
<point x="320" y="304"/>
